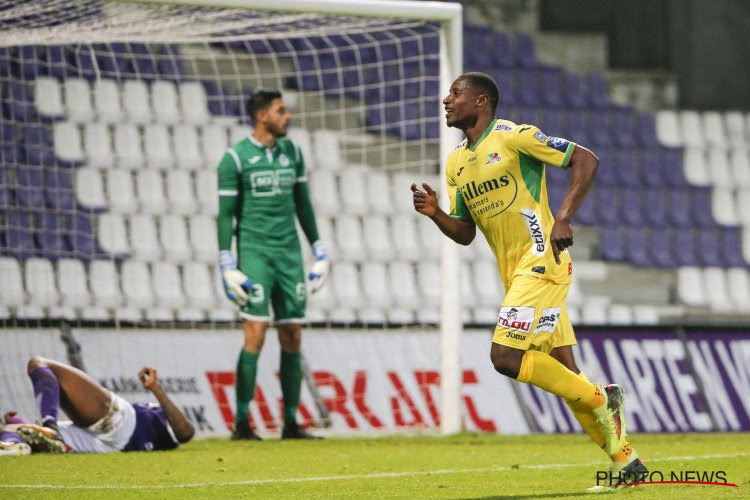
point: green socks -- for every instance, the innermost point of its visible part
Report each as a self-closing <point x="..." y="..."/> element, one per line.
<point x="291" y="384"/>
<point x="247" y="368"/>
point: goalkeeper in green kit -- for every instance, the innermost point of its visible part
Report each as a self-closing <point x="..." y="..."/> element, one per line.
<point x="263" y="186"/>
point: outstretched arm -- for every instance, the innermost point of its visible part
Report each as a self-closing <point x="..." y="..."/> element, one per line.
<point x="183" y="429"/>
<point x="462" y="231"/>
<point x="582" y="166"/>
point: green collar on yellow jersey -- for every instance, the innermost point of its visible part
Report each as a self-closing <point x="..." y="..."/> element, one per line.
<point x="473" y="147"/>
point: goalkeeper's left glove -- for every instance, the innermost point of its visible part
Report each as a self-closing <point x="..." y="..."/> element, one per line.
<point x="236" y="283"/>
<point x="319" y="271"/>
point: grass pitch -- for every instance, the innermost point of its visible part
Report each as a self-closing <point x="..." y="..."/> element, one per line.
<point x="463" y="466"/>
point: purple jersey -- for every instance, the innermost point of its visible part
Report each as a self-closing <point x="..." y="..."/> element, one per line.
<point x="151" y="431"/>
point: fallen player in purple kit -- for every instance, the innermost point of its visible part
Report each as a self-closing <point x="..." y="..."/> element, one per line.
<point x="100" y="421"/>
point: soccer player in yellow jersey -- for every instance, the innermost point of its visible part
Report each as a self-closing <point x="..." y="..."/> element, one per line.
<point x="496" y="181"/>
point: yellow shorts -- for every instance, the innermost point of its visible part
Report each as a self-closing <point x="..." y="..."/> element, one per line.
<point x="533" y="316"/>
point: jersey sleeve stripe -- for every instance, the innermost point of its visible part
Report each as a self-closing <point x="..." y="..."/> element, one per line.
<point x="302" y="179"/>
<point x="237" y="161"/>
<point x="227" y="192"/>
<point x="569" y="154"/>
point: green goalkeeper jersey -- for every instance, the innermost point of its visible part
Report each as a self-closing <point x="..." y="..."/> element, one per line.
<point x="263" y="188"/>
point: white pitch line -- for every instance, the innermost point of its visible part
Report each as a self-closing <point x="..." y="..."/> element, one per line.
<point x="376" y="475"/>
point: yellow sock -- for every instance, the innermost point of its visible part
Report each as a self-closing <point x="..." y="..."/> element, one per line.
<point x="545" y="372"/>
<point x="586" y="418"/>
<point x="623" y="456"/>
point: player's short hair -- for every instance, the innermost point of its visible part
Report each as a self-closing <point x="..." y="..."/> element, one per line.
<point x="482" y="83"/>
<point x="261" y="100"/>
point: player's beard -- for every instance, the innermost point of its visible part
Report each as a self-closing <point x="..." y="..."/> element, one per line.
<point x="277" y="130"/>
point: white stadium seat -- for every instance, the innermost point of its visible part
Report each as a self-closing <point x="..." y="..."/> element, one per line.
<point x="488" y="288"/>
<point x="135" y="101"/>
<point x="90" y="188"/>
<point x="715" y="281"/>
<point x="151" y="193"/>
<point x="97" y="145"/>
<point x="403" y="285"/>
<point x="691" y="126"/>
<point x="723" y="206"/>
<point x="301" y="137"/>
<point x="68" y="145"/>
<point x="718" y="167"/>
<point x="174" y="240"/>
<point x="326" y="234"/>
<point x="214" y="142"/>
<point x="143" y="238"/>
<point x="198" y="285"/>
<point x="157" y="146"/>
<point x="121" y="192"/>
<point x="739" y="161"/>
<point x="695" y="167"/>
<point x="377" y="291"/>
<point x="40" y="282"/>
<point x="377" y="237"/>
<point x="103" y="280"/>
<point x="620" y="314"/>
<point x="206" y="191"/>
<point x="107" y="101"/>
<point x="112" y="234"/>
<point x="180" y="192"/>
<point x="186" y="147"/>
<point x="352" y="189"/>
<point x="713" y="129"/>
<point x="78" y="102"/>
<point x="167" y="284"/>
<point x="164" y="102"/>
<point x="349" y="238"/>
<point x="429" y="282"/>
<point x="238" y="133"/>
<point x="401" y="192"/>
<point x="136" y="284"/>
<point x="48" y="97"/>
<point x="734" y="122"/>
<point x="194" y="102"/>
<point x="202" y="229"/>
<point x="72" y="275"/>
<point x="668" y="129"/>
<point x="12" y="293"/>
<point x="128" y="150"/>
<point x="594" y="310"/>
<point x="346" y="285"/>
<point x="431" y="239"/>
<point x="690" y="286"/>
<point x="405" y="237"/>
<point x="738" y="283"/>
<point x="378" y="188"/>
<point x="645" y="314"/>
<point x="324" y="192"/>
<point x="743" y="206"/>
<point x="327" y="150"/>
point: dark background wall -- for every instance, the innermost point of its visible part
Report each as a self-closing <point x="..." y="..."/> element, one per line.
<point x="705" y="44"/>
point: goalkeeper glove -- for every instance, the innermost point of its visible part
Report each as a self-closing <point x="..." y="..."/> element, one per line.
<point x="236" y="284"/>
<point x="319" y="271"/>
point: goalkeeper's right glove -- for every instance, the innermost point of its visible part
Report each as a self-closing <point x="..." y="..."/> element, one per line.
<point x="236" y="284"/>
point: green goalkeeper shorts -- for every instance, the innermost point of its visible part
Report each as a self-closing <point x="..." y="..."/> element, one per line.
<point x="278" y="277"/>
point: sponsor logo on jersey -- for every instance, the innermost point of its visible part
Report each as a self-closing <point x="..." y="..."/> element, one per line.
<point x="459" y="171"/>
<point x="557" y="143"/>
<point x="538" y="244"/>
<point x="271" y="182"/>
<point x="517" y="319"/>
<point x="538" y="269"/>
<point x="473" y="189"/>
<point x="283" y="160"/>
<point x="493" y="158"/>
<point x="539" y="136"/>
<point x="548" y="320"/>
<point x="473" y="158"/>
<point x="503" y="126"/>
<point x="255" y="159"/>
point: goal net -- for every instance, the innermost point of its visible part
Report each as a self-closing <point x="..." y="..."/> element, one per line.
<point x="115" y="116"/>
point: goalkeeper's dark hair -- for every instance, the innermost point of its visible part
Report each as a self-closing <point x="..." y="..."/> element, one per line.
<point x="482" y="83"/>
<point x="261" y="100"/>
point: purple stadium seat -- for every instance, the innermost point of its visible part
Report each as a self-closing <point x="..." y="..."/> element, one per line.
<point x="587" y="212"/>
<point x="598" y="130"/>
<point x="655" y="206"/>
<point x="632" y="208"/>
<point x="81" y="239"/>
<point x="525" y="52"/>
<point x="256" y="46"/>
<point x="679" y="208"/>
<point x="637" y="247"/>
<point x="731" y="247"/>
<point x="528" y="88"/>
<point x="612" y="244"/>
<point x="476" y="56"/>
<point x="573" y="92"/>
<point x="10" y="154"/>
<point x="651" y="169"/>
<point x="684" y="245"/>
<point x="4" y="62"/>
<point x="507" y="86"/>
<point x="37" y="145"/>
<point x="30" y="186"/>
<point x="55" y="62"/>
<point x="576" y="128"/>
<point x="502" y="55"/>
<point x="709" y="247"/>
<point x="49" y="236"/>
<point x="607" y="205"/>
<point x="623" y="129"/>
<point x="112" y="60"/>
<point x="557" y="177"/>
<point x="671" y="169"/>
<point x="6" y="191"/>
<point x="142" y="62"/>
<point x="606" y="174"/>
<point x="169" y="63"/>
<point x="598" y="95"/>
<point x="555" y="191"/>
<point x="627" y="169"/>
<point x="59" y="193"/>
<point x="19" y="236"/>
<point x="25" y="62"/>
<point x="553" y="122"/>
<point x="19" y="101"/>
<point x="645" y="131"/>
<point x="550" y="84"/>
<point x="661" y="247"/>
<point x="702" y="207"/>
<point x="83" y="59"/>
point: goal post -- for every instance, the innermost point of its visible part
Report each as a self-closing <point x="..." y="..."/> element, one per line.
<point x="77" y="102"/>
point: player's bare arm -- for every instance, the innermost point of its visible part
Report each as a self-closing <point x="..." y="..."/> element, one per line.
<point x="583" y="165"/>
<point x="462" y="231"/>
<point x="183" y="429"/>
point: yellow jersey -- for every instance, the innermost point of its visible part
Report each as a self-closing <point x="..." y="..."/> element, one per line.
<point x="500" y="183"/>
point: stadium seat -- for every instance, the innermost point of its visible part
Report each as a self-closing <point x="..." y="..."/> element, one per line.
<point x="111" y="234"/>
<point x="136" y="284"/>
<point x="403" y="285"/>
<point x="404" y="235"/>
<point x="167" y="285"/>
<point x="39" y="278"/>
<point x="346" y="284"/>
<point x="736" y="131"/>
<point x="157" y="146"/>
<point x="695" y="167"/>
<point x="719" y="169"/>
<point x="740" y="165"/>
<point x="715" y="281"/>
<point x="353" y="191"/>
<point x="72" y="276"/>
<point x="655" y="207"/>
<point x="144" y="241"/>
<point x="98" y="146"/>
<point x="326" y="234"/>
<point x="135" y="101"/>
<point x="107" y="101"/>
<point x="128" y="150"/>
<point x="193" y="102"/>
<point x="668" y="129"/>
<point x="202" y="229"/>
<point x="186" y="147"/>
<point x="594" y="310"/>
<point x="67" y="140"/>
<point x="78" y="103"/>
<point x="164" y="102"/>
<point x="738" y="284"/>
<point x="378" y="192"/>
<point x="198" y="285"/>
<point x="301" y="137"/>
<point x="377" y="237"/>
<point x="150" y="190"/>
<point x="691" y="127"/>
<point x="377" y="291"/>
<point x="180" y="192"/>
<point x="489" y="291"/>
<point x="205" y="190"/>
<point x="90" y="188"/>
<point x="723" y="206"/>
<point x="120" y="192"/>
<point x="12" y="293"/>
<point x="324" y="192"/>
<point x="349" y="238"/>
<point x="701" y="202"/>
<point x="238" y="133"/>
<point x="620" y="314"/>
<point x="660" y="247"/>
<point x="327" y="150"/>
<point x="48" y="97"/>
<point x="174" y="238"/>
<point x="104" y="281"/>
<point x="430" y="238"/>
<point x="215" y="142"/>
<point x="691" y="286"/>
<point x="49" y="229"/>
<point x="713" y="129"/>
